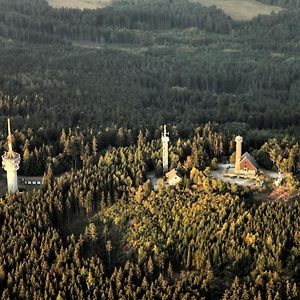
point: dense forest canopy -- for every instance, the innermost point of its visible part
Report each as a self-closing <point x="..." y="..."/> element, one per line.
<point x="176" y="74"/>
<point x="88" y="92"/>
<point x="205" y="239"/>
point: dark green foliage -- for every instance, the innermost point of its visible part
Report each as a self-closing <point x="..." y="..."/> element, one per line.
<point x="194" y="242"/>
<point x="186" y="77"/>
<point x="87" y="92"/>
<point x="36" y="22"/>
<point x="283" y="156"/>
<point x="163" y="14"/>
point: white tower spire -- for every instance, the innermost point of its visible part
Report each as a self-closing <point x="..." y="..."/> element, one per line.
<point x="11" y="162"/>
<point x="165" y="140"/>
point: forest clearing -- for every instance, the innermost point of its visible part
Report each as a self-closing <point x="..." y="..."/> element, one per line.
<point x="81" y="4"/>
<point x="244" y="10"/>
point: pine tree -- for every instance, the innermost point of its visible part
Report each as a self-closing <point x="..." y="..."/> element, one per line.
<point x="108" y="248"/>
<point x="90" y="280"/>
<point x="170" y="271"/>
<point x="48" y="178"/>
<point x="150" y="266"/>
<point x="26" y="159"/>
<point x="59" y="297"/>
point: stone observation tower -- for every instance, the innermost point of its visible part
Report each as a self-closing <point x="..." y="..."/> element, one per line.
<point x="238" y="153"/>
<point x="165" y="140"/>
<point x="10" y="162"/>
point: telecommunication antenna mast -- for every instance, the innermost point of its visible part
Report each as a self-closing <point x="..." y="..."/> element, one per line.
<point x="11" y="163"/>
<point x="165" y="140"/>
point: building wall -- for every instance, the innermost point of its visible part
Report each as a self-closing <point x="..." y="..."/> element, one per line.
<point x="12" y="181"/>
<point x="174" y="180"/>
<point x="248" y="165"/>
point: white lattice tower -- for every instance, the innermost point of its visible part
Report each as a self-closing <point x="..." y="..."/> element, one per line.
<point x="11" y="163"/>
<point x="165" y="140"/>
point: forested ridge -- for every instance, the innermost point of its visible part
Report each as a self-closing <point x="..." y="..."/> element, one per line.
<point x="88" y="92"/>
<point x="179" y="76"/>
<point x="37" y="22"/>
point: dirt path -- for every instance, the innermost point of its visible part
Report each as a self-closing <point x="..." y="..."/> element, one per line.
<point x="153" y="180"/>
<point x="219" y="174"/>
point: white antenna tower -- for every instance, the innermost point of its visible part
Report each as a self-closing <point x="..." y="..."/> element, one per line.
<point x="11" y="162"/>
<point x="165" y="140"/>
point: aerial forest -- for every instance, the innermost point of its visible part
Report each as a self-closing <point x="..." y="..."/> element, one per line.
<point x="88" y="92"/>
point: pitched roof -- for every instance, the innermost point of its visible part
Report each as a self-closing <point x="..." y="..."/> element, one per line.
<point x="247" y="156"/>
<point x="171" y="174"/>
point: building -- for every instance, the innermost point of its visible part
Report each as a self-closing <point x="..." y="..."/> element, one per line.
<point x="11" y="163"/>
<point x="238" y="153"/>
<point x="173" y="178"/>
<point x="248" y="165"/>
<point x="244" y="164"/>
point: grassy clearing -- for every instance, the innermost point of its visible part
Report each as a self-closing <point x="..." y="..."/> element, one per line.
<point x="81" y="4"/>
<point x="241" y="10"/>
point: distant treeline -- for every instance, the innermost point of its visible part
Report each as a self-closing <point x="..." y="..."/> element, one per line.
<point x="276" y="32"/>
<point x="142" y="78"/>
<point x="111" y="87"/>
<point x="35" y="21"/>
<point x="128" y="21"/>
<point x="163" y="14"/>
<point x="282" y="3"/>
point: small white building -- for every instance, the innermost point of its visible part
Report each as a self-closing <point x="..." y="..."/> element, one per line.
<point x="173" y="178"/>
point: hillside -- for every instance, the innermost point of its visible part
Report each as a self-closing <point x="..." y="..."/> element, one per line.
<point x="241" y="10"/>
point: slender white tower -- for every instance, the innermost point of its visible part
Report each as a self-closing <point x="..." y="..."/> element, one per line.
<point x="11" y="162"/>
<point x="165" y="140"/>
<point x="238" y="153"/>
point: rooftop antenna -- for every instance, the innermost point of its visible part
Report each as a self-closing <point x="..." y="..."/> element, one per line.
<point x="10" y="137"/>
